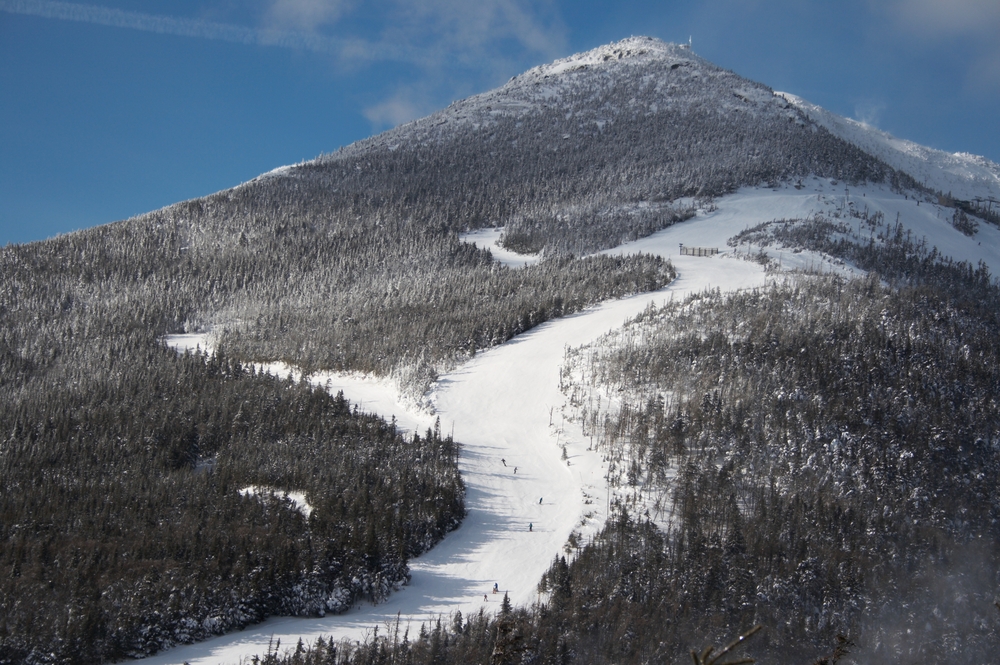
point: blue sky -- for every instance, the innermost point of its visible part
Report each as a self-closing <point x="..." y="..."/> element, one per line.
<point x="115" y="107"/>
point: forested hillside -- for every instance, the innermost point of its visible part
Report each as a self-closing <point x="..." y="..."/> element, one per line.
<point x="819" y="454"/>
<point x="122" y="523"/>
<point x="125" y="523"/>
<point x="313" y="264"/>
<point x="818" y="457"/>
<point x="125" y="529"/>
<point x="822" y="455"/>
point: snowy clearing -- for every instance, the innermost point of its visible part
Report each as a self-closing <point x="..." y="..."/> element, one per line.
<point x="490" y="239"/>
<point x="504" y="407"/>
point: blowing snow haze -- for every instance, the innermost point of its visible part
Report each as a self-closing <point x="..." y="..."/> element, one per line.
<point x="797" y="427"/>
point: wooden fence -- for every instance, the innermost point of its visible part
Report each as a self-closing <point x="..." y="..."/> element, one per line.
<point x="698" y="251"/>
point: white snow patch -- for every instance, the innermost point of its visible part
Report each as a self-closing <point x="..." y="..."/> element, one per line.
<point x="371" y="394"/>
<point x="195" y="342"/>
<point x="297" y="499"/>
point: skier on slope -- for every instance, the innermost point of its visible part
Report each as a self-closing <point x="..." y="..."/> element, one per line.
<point x="496" y="588"/>
<point x="530" y="526"/>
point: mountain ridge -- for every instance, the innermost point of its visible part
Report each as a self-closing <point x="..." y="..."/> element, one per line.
<point x="961" y="174"/>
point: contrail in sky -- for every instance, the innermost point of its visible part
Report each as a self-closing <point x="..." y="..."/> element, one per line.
<point x="185" y="27"/>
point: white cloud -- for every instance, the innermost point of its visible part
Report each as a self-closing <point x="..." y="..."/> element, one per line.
<point x="459" y="45"/>
<point x="455" y="46"/>
<point x="405" y="105"/>
<point x="423" y="32"/>
<point x="976" y="23"/>
<point x="169" y="25"/>
<point x="950" y="17"/>
<point x="307" y="15"/>
<point x="470" y="25"/>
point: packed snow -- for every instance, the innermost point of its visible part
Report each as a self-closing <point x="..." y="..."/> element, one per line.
<point x="504" y="405"/>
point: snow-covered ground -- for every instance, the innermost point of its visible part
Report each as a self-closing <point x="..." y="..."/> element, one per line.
<point x="490" y="239"/>
<point x="925" y="220"/>
<point x="504" y="405"/>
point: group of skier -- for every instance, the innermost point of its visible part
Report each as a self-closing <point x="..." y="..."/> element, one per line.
<point x="531" y="527"/>
<point x="496" y="589"/>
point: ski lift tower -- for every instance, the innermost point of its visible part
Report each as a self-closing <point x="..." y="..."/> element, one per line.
<point x="989" y="201"/>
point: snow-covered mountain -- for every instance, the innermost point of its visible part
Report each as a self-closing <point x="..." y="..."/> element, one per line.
<point x="601" y="148"/>
<point x="359" y="272"/>
<point x="635" y="89"/>
<point x="585" y="153"/>
<point x="652" y="76"/>
<point x="963" y="175"/>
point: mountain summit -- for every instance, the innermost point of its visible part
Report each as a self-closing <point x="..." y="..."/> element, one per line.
<point x="584" y="153"/>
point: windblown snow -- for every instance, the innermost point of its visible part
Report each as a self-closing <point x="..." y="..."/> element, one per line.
<point x="963" y="175"/>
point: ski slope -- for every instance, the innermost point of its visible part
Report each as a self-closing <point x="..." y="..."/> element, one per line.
<point x="503" y="406"/>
